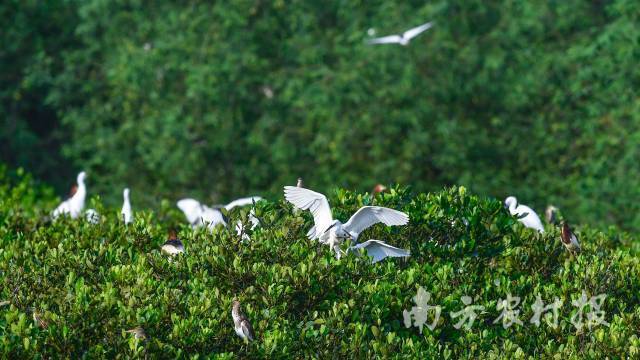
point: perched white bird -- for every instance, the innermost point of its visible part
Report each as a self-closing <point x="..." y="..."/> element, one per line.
<point x="127" y="215"/>
<point x="331" y="231"/>
<point x="379" y="250"/>
<point x="402" y="39"/>
<point x="74" y="205"/>
<point x="569" y="239"/>
<point x="241" y="323"/>
<point x="530" y="220"/>
<point x="92" y="216"/>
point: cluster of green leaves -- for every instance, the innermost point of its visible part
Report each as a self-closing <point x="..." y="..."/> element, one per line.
<point x="90" y="283"/>
<point x="227" y="98"/>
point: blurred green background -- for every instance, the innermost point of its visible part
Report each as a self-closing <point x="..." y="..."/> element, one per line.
<point x="217" y="100"/>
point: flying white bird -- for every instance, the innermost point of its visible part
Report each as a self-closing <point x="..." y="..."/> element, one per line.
<point x="333" y="232"/>
<point x="127" y="215"/>
<point x="201" y="215"/>
<point x="74" y="205"/>
<point x="569" y="239"/>
<point x="241" y="323"/>
<point x="530" y="220"/>
<point x="402" y="39"/>
<point x="379" y="250"/>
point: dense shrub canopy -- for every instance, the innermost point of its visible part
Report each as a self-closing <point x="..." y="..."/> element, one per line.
<point x="92" y="282"/>
<point x="219" y="99"/>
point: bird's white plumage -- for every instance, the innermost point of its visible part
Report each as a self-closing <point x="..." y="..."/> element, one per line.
<point x="242" y="202"/>
<point x="402" y="39"/>
<point x="73" y="206"/>
<point x="316" y="203"/>
<point x="367" y="216"/>
<point x="191" y="209"/>
<point x="391" y="39"/>
<point x="332" y="232"/>
<point x="379" y="250"/>
<point x="92" y="216"/>
<point x="211" y="217"/>
<point x="127" y="214"/>
<point x="530" y="220"/>
<point x="411" y="33"/>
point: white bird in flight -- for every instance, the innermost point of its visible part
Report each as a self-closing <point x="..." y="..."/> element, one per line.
<point x="530" y="220"/>
<point x="333" y="232"/>
<point x="402" y="39"/>
<point x="379" y="250"/>
<point x="127" y="215"/>
<point x="201" y="215"/>
<point x="74" y="205"/>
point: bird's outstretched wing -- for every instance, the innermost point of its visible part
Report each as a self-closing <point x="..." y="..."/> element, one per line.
<point x="316" y="203"/>
<point x="247" y="329"/>
<point x="411" y="33"/>
<point x="379" y="250"/>
<point x="391" y="39"/>
<point x="242" y="202"/>
<point x="369" y="215"/>
<point x="191" y="209"/>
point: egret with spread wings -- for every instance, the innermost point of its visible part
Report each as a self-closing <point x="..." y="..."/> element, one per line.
<point x="333" y="232"/>
<point x="402" y="39"/>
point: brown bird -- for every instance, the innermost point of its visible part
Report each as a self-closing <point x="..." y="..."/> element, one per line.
<point x="551" y="214"/>
<point x="138" y="333"/>
<point x="173" y="246"/>
<point x="240" y="322"/>
<point x="379" y="188"/>
<point x="38" y="318"/>
<point x="569" y="239"/>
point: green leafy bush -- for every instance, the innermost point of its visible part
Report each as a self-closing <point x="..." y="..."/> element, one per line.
<point x="90" y="283"/>
<point x="216" y="99"/>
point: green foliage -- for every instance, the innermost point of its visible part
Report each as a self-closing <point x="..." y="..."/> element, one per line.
<point x="216" y="99"/>
<point x="90" y="283"/>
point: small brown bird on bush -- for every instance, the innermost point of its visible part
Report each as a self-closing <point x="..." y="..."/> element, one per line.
<point x="138" y="333"/>
<point x="569" y="239"/>
<point x="241" y="323"/>
<point x="38" y="318"/>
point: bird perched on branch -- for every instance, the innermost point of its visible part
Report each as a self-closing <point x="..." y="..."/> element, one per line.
<point x="127" y="215"/>
<point x="138" y="333"/>
<point x="331" y="231"/>
<point x="241" y="323"/>
<point x="75" y="204"/>
<point x="402" y="39"/>
<point x="569" y="239"/>
<point x="173" y="245"/>
<point x="530" y="219"/>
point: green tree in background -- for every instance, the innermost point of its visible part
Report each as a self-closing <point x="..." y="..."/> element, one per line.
<point x="216" y="100"/>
